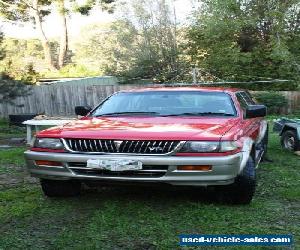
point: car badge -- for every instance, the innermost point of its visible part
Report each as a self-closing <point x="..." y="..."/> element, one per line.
<point x="118" y="144"/>
<point x="156" y="149"/>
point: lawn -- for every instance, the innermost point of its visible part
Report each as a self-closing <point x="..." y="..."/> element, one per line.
<point x="7" y="131"/>
<point x="143" y="218"/>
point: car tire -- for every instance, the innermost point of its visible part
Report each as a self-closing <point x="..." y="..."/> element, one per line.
<point x="60" y="188"/>
<point x="243" y="188"/>
<point x="290" y="141"/>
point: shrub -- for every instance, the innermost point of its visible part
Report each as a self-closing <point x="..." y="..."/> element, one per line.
<point x="72" y="70"/>
<point x="273" y="100"/>
<point x="25" y="74"/>
<point x="11" y="89"/>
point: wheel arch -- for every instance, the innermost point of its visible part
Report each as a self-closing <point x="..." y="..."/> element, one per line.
<point x="291" y="126"/>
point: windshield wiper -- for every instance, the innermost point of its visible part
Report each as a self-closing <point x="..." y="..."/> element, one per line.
<point x="127" y="113"/>
<point x="201" y="114"/>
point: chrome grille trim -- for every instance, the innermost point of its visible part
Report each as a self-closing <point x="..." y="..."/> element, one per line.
<point x="127" y="147"/>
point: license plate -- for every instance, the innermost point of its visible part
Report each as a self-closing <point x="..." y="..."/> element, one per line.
<point x="114" y="165"/>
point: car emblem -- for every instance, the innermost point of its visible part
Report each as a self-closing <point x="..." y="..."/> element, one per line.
<point x="118" y="144"/>
<point x="156" y="149"/>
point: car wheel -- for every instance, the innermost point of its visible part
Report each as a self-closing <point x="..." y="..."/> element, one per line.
<point x="289" y="140"/>
<point x="57" y="188"/>
<point x="243" y="188"/>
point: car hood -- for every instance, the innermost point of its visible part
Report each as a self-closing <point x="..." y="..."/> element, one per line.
<point x="144" y="128"/>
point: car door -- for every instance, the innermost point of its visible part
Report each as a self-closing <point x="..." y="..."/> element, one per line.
<point x="251" y="126"/>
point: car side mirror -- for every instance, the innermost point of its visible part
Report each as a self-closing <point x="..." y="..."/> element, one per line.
<point x="82" y="110"/>
<point x="253" y="111"/>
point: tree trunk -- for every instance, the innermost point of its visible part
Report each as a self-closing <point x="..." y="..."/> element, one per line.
<point x="42" y="36"/>
<point x="63" y="45"/>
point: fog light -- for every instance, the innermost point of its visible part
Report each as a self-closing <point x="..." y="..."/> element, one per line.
<point x="195" y="168"/>
<point x="48" y="163"/>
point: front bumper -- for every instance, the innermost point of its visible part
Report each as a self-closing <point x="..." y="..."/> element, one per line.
<point x="224" y="168"/>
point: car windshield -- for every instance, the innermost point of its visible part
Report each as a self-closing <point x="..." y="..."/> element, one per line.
<point x="167" y="103"/>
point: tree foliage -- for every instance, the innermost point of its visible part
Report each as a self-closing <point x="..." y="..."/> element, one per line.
<point x="273" y="100"/>
<point x="35" y="11"/>
<point x="142" y="44"/>
<point x="9" y="88"/>
<point x="247" y="39"/>
<point x="2" y="51"/>
<point x="106" y="48"/>
<point x="23" y="58"/>
<point x="227" y="40"/>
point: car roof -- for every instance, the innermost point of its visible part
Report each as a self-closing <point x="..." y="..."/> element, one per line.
<point x="182" y="88"/>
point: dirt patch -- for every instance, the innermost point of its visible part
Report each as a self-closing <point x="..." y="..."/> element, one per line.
<point x="13" y="176"/>
<point x="12" y="142"/>
<point x="8" y="181"/>
<point x="4" y="146"/>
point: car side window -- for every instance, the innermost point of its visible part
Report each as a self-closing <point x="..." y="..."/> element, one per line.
<point x="248" y="98"/>
<point x="241" y="99"/>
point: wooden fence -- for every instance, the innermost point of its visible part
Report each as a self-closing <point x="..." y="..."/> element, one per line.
<point x="60" y="99"/>
<point x="293" y="98"/>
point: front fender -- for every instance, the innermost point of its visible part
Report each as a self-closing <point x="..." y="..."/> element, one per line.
<point x="248" y="144"/>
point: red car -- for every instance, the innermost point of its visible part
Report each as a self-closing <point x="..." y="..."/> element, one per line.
<point x="191" y="136"/>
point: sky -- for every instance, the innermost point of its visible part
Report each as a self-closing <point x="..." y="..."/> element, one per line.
<point x="76" y="22"/>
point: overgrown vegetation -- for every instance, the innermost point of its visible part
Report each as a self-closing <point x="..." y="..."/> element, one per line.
<point x="143" y="218"/>
<point x="34" y="13"/>
<point x="142" y="44"/>
<point x="23" y="59"/>
<point x="273" y="100"/>
<point x="10" y="89"/>
<point x="7" y="131"/>
<point x="247" y="40"/>
<point x="224" y="40"/>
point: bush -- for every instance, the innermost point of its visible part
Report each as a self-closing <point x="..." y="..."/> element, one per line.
<point x="72" y="70"/>
<point x="273" y="100"/>
<point x="25" y="74"/>
<point x="11" y="89"/>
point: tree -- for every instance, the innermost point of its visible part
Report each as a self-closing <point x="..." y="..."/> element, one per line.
<point x="23" y="59"/>
<point x="9" y="89"/>
<point x="157" y="53"/>
<point x="2" y="52"/>
<point x="143" y="44"/>
<point x="246" y="40"/>
<point x="107" y="48"/>
<point x="35" y="11"/>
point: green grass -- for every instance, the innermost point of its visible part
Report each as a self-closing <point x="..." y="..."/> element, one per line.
<point x="11" y="160"/>
<point x="145" y="218"/>
<point x="7" y="131"/>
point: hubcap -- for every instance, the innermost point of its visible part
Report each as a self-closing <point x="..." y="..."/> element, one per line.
<point x="289" y="142"/>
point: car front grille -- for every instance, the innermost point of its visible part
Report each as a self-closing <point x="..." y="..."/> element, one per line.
<point x="118" y="146"/>
<point x="148" y="171"/>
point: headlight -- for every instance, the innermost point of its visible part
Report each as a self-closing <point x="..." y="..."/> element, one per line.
<point x="48" y="143"/>
<point x="226" y="146"/>
<point x="208" y="146"/>
<point x="200" y="146"/>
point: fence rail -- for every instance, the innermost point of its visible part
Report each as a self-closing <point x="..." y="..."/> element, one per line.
<point x="56" y="99"/>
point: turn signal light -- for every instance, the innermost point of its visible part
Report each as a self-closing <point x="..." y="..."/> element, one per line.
<point x="48" y="163"/>
<point x="195" y="168"/>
